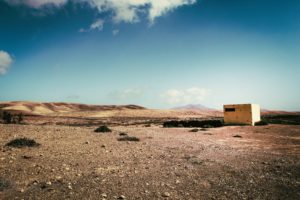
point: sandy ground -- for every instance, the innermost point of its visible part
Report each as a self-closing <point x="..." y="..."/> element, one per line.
<point x="168" y="163"/>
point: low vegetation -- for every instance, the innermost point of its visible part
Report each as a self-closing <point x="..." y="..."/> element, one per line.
<point x="129" y="138"/>
<point x="123" y="134"/>
<point x="282" y="119"/>
<point x="194" y="123"/>
<point x="4" y="184"/>
<point x="10" y="118"/>
<point x="102" y="129"/>
<point x="236" y="124"/>
<point x="261" y="123"/>
<point x="22" y="142"/>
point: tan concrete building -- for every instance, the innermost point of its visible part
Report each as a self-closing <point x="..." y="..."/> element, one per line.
<point x="241" y="114"/>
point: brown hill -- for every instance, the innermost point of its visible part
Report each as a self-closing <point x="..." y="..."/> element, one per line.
<point x="59" y="109"/>
<point x="39" y="108"/>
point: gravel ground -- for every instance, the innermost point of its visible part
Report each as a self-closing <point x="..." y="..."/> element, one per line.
<point x="167" y="163"/>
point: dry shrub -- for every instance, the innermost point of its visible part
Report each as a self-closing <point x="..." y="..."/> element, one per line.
<point x="22" y="142"/>
<point x="129" y="138"/>
<point x="102" y="129"/>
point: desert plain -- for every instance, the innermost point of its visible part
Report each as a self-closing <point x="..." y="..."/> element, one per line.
<point x="74" y="162"/>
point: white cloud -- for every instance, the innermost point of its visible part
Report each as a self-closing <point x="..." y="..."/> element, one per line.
<point x="5" y="62"/>
<point x="192" y="95"/>
<point x="159" y="7"/>
<point x="128" y="10"/>
<point x="123" y="10"/>
<point x="37" y="3"/>
<point x="97" y="25"/>
<point x="115" y="32"/>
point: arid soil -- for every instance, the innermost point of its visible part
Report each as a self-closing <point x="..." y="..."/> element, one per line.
<point x="233" y="162"/>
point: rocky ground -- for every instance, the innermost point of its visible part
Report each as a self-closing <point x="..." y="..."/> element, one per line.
<point x="233" y="162"/>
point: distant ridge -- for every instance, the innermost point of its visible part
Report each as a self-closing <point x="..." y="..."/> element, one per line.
<point x="198" y="107"/>
<point x="203" y="109"/>
<point x="87" y="110"/>
<point x="41" y="108"/>
<point x="278" y="112"/>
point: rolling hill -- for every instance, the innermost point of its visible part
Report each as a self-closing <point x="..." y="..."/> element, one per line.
<point x="38" y="108"/>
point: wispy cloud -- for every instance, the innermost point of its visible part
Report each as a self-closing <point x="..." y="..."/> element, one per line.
<point x="5" y="62"/>
<point x="97" y="25"/>
<point x="128" y="94"/>
<point x="128" y="11"/>
<point x="115" y="32"/>
<point x="191" y="95"/>
<point x="73" y="96"/>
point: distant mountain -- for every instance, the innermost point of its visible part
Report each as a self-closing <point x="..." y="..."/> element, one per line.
<point x="206" y="110"/>
<point x="195" y="107"/>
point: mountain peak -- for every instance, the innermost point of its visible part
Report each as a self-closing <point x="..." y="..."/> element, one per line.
<point x="199" y="107"/>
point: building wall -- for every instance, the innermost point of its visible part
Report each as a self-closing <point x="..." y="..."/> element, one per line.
<point x="241" y="114"/>
<point x="255" y="113"/>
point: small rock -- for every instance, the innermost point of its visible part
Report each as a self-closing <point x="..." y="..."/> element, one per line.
<point x="70" y="187"/>
<point x="26" y="157"/>
<point x="49" y="183"/>
<point x="122" y="197"/>
<point x="104" y="195"/>
<point x="103" y="146"/>
<point x="166" y="194"/>
<point x="123" y="134"/>
<point x="43" y="186"/>
<point x="87" y="142"/>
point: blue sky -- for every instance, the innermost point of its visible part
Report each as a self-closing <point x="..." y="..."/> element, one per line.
<point x="158" y="54"/>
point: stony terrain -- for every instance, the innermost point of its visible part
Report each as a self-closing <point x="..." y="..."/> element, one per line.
<point x="233" y="162"/>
